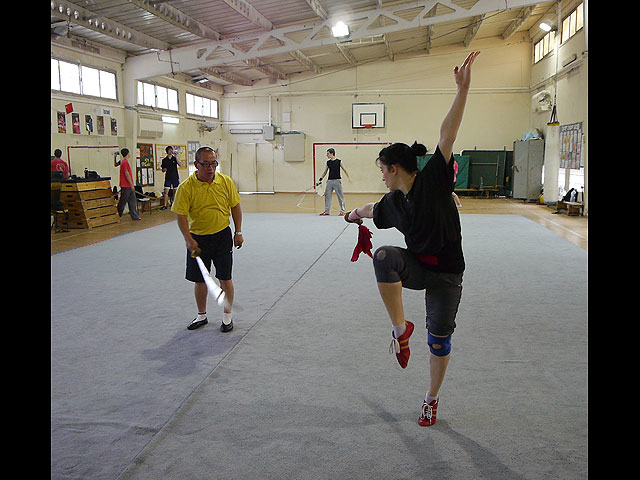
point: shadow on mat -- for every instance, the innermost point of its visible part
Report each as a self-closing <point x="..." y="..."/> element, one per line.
<point x="485" y="461"/>
<point x="183" y="353"/>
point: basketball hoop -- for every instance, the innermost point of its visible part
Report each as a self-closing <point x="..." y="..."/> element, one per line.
<point x="368" y="126"/>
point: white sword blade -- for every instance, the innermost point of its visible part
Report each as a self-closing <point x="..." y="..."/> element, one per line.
<point x="216" y="292"/>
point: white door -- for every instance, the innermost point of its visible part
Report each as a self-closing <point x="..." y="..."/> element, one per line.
<point x="246" y="168"/>
<point x="264" y="168"/>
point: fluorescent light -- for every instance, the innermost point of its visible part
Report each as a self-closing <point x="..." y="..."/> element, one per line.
<point x="167" y="119"/>
<point x="340" y="29"/>
<point x="545" y="26"/>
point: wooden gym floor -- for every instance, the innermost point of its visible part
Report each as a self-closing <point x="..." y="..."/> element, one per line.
<point x="573" y="228"/>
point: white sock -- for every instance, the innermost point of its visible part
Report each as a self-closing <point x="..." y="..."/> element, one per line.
<point x="201" y="316"/>
<point x="429" y="399"/>
<point x="227" y="318"/>
<point x="398" y="330"/>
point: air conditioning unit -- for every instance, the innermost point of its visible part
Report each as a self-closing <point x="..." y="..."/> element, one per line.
<point x="148" y="128"/>
<point x="208" y="126"/>
<point x="541" y="102"/>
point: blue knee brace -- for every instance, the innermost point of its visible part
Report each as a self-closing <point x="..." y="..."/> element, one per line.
<point x="444" y="342"/>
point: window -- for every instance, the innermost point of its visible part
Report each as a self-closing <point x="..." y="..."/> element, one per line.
<point x="108" y="85"/>
<point x="55" y="74"/>
<point x="576" y="180"/>
<point x="573" y="23"/>
<point x="205" y="107"/>
<point x="157" y="96"/>
<point x="90" y="81"/>
<point x="544" y="46"/>
<point x="69" y="77"/>
<point x="83" y="80"/>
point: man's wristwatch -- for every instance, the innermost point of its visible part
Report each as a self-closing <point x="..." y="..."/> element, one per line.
<point x="238" y="233"/>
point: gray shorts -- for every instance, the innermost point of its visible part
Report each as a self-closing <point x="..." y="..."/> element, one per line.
<point x="443" y="291"/>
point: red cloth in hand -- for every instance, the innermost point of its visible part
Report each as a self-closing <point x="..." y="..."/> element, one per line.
<point x="364" y="243"/>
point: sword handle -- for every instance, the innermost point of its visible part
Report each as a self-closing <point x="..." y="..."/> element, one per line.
<point x="196" y="252"/>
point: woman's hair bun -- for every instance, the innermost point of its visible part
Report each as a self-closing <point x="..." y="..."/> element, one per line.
<point x="418" y="149"/>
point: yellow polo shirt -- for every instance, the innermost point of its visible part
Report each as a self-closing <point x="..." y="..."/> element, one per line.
<point x="206" y="205"/>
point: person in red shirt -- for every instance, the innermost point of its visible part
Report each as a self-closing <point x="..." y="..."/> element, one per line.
<point x="59" y="165"/>
<point x="127" y="192"/>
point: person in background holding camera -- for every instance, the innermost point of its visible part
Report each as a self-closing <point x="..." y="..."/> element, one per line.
<point x="169" y="166"/>
<point x="127" y="192"/>
<point x="59" y="165"/>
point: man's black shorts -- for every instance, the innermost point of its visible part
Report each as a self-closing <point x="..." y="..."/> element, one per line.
<point x="171" y="182"/>
<point x="218" y="248"/>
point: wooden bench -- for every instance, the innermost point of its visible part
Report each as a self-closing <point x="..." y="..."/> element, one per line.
<point x="476" y="192"/>
<point x="572" y="208"/>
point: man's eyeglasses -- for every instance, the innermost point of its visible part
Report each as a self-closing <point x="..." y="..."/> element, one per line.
<point x="207" y="164"/>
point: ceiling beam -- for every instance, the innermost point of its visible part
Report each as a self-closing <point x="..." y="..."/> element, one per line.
<point x="305" y="61"/>
<point x="473" y="29"/>
<point x="144" y="66"/>
<point x="226" y="76"/>
<point x="98" y="23"/>
<point x="318" y="9"/>
<point x="522" y="17"/>
<point x="176" y="17"/>
<point x="387" y="44"/>
<point x="249" y="12"/>
<point x="346" y="54"/>
<point x="270" y="72"/>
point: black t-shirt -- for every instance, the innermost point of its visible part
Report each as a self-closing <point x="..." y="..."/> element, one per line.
<point x="334" y="169"/>
<point x="171" y="164"/>
<point x="427" y="216"/>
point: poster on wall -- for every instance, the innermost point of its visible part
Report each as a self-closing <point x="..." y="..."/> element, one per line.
<point x="75" y="123"/>
<point x="192" y="148"/>
<point x="114" y="127"/>
<point x="100" y="124"/>
<point x="62" y="122"/>
<point x="88" y="123"/>
<point x="144" y="164"/>
<point x="179" y="151"/>
<point x="571" y="146"/>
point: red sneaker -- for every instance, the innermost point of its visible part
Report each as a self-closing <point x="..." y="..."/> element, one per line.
<point x="400" y="346"/>
<point x="323" y="214"/>
<point x="428" y="414"/>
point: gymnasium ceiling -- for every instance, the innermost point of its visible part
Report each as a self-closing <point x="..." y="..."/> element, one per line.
<point x="240" y="42"/>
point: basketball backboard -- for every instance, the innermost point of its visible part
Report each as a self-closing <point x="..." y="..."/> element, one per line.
<point x="367" y="114"/>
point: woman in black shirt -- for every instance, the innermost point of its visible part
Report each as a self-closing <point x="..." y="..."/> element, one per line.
<point x="420" y="205"/>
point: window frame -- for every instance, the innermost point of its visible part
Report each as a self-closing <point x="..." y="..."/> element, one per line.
<point x="192" y="112"/>
<point x="140" y="87"/>
<point x="540" y="46"/>
<point x="571" y="22"/>
<point x="80" y="67"/>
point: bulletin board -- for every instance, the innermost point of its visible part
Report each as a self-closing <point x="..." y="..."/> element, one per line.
<point x="145" y="175"/>
<point x="179" y="151"/>
<point x="571" y="146"/>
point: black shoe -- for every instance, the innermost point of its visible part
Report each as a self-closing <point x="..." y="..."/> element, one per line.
<point x="197" y="324"/>
<point x="226" y="328"/>
<point x="164" y="207"/>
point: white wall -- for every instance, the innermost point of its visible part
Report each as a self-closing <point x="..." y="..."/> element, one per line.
<point x="416" y="90"/>
<point x="417" y="93"/>
<point x="572" y="89"/>
<point x="94" y="151"/>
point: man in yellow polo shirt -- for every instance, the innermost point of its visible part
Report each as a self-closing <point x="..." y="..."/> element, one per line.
<point x="203" y="203"/>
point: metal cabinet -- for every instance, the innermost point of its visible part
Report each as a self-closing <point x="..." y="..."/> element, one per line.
<point x="528" y="159"/>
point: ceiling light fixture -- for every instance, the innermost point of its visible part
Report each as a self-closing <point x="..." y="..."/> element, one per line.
<point x="546" y="26"/>
<point x="340" y="29"/>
